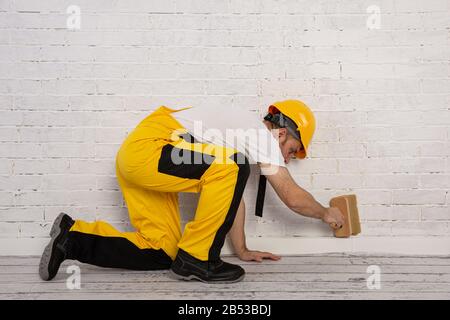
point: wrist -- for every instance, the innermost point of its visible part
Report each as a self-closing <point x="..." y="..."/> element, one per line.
<point x="324" y="213"/>
<point x="240" y="251"/>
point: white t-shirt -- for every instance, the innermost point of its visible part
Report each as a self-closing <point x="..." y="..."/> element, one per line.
<point x="236" y="128"/>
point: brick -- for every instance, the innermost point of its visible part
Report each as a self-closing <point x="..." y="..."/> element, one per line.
<point x="38" y="166"/>
<point x="69" y="150"/>
<point x="435" y="213"/>
<point x="419" y="133"/>
<point x="436" y="118"/>
<point x="283" y="54"/>
<point x="18" y="214"/>
<point x="96" y="103"/>
<point x="76" y="212"/>
<point x="268" y="228"/>
<point x="438" y="181"/>
<point x="39" y="198"/>
<point x="393" y="54"/>
<point x="364" y="71"/>
<point x="251" y="6"/>
<point x="82" y="135"/>
<point x="146" y="6"/>
<point x="394" y="149"/>
<point x="375" y="212"/>
<point x="72" y="119"/>
<point x="24" y="5"/>
<point x="418" y="197"/>
<point x="110" y="213"/>
<point x="402" y="22"/>
<point x="6" y="102"/>
<point x="435" y="85"/>
<point x="368" y="196"/>
<point x="68" y="182"/>
<point x="20" y="150"/>
<point x="394" y="117"/>
<point x="403" y="228"/>
<point x="9" y="230"/>
<point x="435" y="20"/>
<point x="30" y="134"/>
<point x="389" y="213"/>
<point x="110" y="135"/>
<point x="418" y="37"/>
<point x="209" y="71"/>
<point x="6" y="198"/>
<point x="9" y="134"/>
<point x="11" y="118"/>
<point x="391" y="181"/>
<point x="336" y="181"/>
<point x="392" y="86"/>
<point x="417" y="165"/>
<point x="224" y="87"/>
<point x="35" y="229"/>
<point x="106" y="150"/>
<point x="103" y="198"/>
<point x="364" y="134"/>
<point x="377" y="228"/>
<point x="6" y="166"/>
<point x="422" y="70"/>
<point x="286" y="87"/>
<point x="20" y="182"/>
<point x="336" y="150"/>
<point x="314" y="70"/>
<point x="435" y="149"/>
<point x="366" y="166"/>
<point x="419" y="6"/>
<point x="107" y="183"/>
<point x="325" y="134"/>
<point x="38" y="103"/>
<point x="435" y="53"/>
<point x="37" y="36"/>
<point x="68" y="86"/>
<point x="94" y="166"/>
<point x="406" y="212"/>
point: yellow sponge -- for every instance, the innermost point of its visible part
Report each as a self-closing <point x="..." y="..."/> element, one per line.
<point x="347" y="204"/>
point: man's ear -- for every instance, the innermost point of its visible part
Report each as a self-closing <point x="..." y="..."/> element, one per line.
<point x="282" y="132"/>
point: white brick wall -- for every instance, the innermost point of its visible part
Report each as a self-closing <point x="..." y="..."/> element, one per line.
<point x="69" y="97"/>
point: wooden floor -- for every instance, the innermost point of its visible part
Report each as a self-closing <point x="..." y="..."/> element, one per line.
<point x="333" y="276"/>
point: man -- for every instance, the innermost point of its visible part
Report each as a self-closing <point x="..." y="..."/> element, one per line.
<point x="192" y="150"/>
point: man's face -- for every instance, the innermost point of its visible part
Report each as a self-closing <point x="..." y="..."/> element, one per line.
<point x="289" y="146"/>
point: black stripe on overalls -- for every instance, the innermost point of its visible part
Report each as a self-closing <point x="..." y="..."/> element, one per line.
<point x="114" y="252"/>
<point x="244" y="172"/>
<point x="189" y="164"/>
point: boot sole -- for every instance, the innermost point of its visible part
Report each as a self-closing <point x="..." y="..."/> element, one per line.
<point x="191" y="277"/>
<point x="47" y="254"/>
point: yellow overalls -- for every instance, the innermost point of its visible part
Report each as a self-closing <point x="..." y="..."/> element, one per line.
<point x="158" y="159"/>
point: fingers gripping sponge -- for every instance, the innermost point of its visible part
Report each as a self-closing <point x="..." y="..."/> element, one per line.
<point x="348" y="206"/>
<point x="343" y="205"/>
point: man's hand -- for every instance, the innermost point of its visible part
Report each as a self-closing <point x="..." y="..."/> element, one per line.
<point x="334" y="218"/>
<point x="249" y="255"/>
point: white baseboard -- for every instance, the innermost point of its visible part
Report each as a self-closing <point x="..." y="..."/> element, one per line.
<point x="366" y="245"/>
<point x="290" y="246"/>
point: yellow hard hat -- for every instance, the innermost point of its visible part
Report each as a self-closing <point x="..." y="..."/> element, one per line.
<point x="303" y="118"/>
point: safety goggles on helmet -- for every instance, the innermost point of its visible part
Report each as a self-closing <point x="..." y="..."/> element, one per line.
<point x="279" y="119"/>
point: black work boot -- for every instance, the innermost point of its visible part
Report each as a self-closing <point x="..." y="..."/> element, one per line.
<point x="56" y="251"/>
<point x="186" y="267"/>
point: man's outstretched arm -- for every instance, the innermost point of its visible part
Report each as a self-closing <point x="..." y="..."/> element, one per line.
<point x="298" y="199"/>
